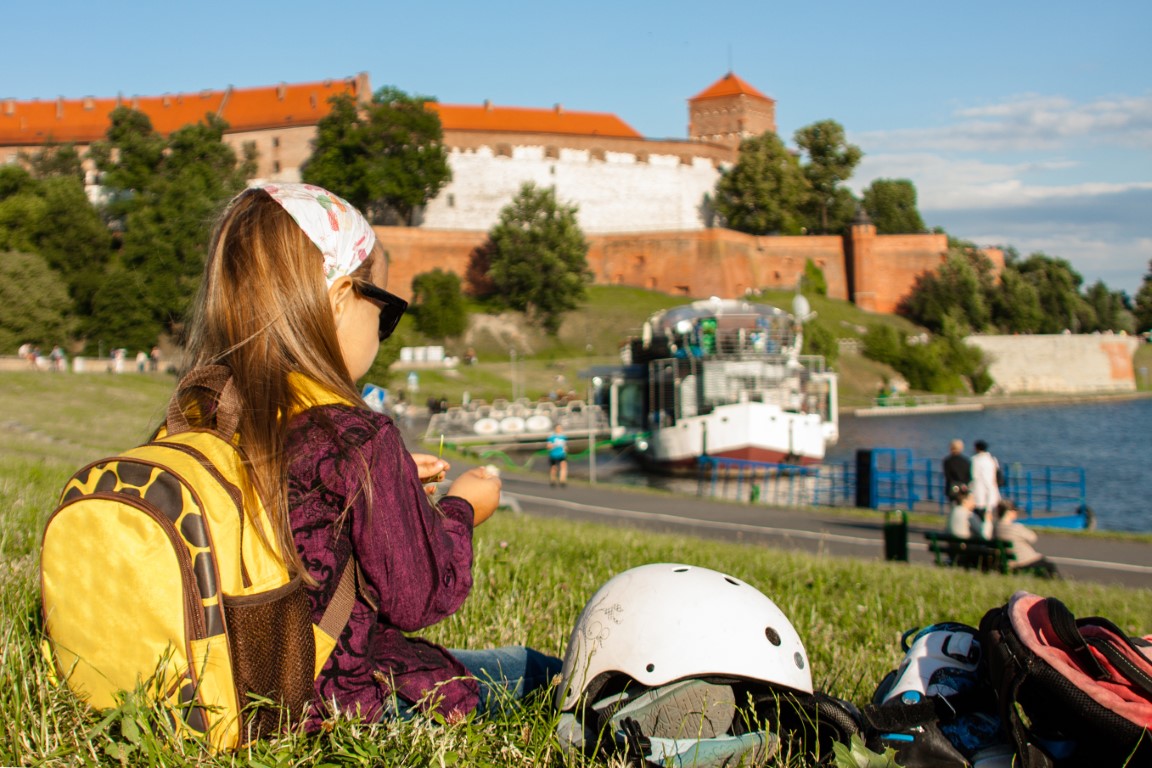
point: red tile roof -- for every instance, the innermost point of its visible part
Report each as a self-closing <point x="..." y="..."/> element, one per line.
<point x="485" y="117"/>
<point x="729" y="85"/>
<point x="30" y="123"/>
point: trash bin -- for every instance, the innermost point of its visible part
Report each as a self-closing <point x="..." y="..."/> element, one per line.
<point x="896" y="535"/>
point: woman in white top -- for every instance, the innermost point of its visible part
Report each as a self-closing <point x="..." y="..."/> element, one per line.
<point x="985" y="490"/>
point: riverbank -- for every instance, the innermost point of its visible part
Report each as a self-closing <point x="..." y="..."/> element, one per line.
<point x="966" y="403"/>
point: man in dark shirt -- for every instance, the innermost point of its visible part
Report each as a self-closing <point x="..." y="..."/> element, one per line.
<point x="957" y="472"/>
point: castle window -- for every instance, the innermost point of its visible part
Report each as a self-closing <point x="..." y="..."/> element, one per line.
<point x="451" y="200"/>
<point x="551" y="152"/>
<point x="275" y="166"/>
<point x="596" y="153"/>
<point x="275" y="141"/>
<point x="503" y="150"/>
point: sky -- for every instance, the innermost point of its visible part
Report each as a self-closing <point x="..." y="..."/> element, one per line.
<point x="1024" y="124"/>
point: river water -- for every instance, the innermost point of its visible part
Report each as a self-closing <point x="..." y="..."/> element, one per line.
<point x="1111" y="440"/>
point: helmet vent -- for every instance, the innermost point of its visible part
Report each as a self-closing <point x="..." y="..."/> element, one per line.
<point x="651" y="667"/>
<point x="799" y="659"/>
<point x="680" y="570"/>
<point x="772" y="635"/>
<point x="731" y="581"/>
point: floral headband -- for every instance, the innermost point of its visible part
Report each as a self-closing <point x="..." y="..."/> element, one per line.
<point x="341" y="233"/>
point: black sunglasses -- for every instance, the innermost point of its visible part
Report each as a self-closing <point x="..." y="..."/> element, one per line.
<point x="392" y="307"/>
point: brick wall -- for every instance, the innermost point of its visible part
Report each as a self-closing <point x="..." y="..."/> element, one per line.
<point x="710" y="262"/>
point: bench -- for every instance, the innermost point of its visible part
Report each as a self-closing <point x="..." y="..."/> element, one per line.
<point x="984" y="554"/>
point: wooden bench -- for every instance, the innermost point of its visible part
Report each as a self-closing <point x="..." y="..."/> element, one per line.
<point x="984" y="554"/>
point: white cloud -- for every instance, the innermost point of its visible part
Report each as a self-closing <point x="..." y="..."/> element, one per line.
<point x="1029" y="123"/>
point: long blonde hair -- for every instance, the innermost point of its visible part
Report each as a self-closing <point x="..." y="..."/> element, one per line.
<point x="263" y="312"/>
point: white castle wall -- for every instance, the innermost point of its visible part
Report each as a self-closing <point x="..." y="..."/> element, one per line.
<point x="1060" y="363"/>
<point x="616" y="194"/>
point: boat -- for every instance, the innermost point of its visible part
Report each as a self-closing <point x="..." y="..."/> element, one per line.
<point x="722" y="378"/>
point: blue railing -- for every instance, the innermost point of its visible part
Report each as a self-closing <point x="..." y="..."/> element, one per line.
<point x="787" y="485"/>
<point x="901" y="480"/>
<point x="893" y="478"/>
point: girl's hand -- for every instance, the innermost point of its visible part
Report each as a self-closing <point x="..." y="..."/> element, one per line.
<point x="480" y="487"/>
<point x="430" y="469"/>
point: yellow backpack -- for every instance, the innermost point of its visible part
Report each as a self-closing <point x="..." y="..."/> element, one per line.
<point x="154" y="573"/>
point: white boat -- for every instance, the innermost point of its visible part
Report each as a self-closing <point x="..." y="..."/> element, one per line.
<point x="723" y="378"/>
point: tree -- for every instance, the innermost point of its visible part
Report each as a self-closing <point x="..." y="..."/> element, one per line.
<point x="55" y="160"/>
<point x="1109" y="309"/>
<point x="539" y="256"/>
<point x="166" y="234"/>
<point x="128" y="159"/>
<point x="960" y="286"/>
<point x="386" y="157"/>
<point x="438" y="304"/>
<point x="1016" y="303"/>
<point x="814" y="278"/>
<point x="33" y="303"/>
<point x="762" y="194"/>
<point x="52" y="217"/>
<point x="1142" y="304"/>
<point x="831" y="160"/>
<point x="1058" y="291"/>
<point x="891" y="204"/>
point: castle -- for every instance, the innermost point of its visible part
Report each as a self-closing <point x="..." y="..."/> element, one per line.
<point x="642" y="203"/>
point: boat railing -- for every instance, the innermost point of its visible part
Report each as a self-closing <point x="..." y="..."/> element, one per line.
<point x="912" y="401"/>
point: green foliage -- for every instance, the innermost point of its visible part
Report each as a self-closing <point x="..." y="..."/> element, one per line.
<point x="1107" y="310"/>
<point x="830" y="162"/>
<point x="381" y="372"/>
<point x="166" y="219"/>
<point x="438" y="304"/>
<point x="1057" y="287"/>
<point x="539" y="259"/>
<point x="820" y="340"/>
<point x="961" y="283"/>
<point x="386" y="157"/>
<point x="33" y="304"/>
<point x="1016" y="305"/>
<point x="943" y="364"/>
<point x="891" y="204"/>
<point x="814" y="281"/>
<point x="857" y="755"/>
<point x="55" y="161"/>
<point x="763" y="193"/>
<point x="1142" y="304"/>
<point x="128" y="159"/>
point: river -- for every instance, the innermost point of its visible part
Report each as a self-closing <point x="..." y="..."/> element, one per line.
<point x="1111" y="440"/>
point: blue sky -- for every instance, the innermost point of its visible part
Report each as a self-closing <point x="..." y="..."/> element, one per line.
<point x="1021" y="123"/>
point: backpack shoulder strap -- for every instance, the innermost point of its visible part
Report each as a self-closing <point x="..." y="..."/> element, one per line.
<point x="339" y="609"/>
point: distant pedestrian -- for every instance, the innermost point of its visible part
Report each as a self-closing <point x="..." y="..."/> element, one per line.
<point x="985" y="485"/>
<point x="558" y="457"/>
<point x="57" y="358"/>
<point x="957" y="472"/>
<point x="154" y="360"/>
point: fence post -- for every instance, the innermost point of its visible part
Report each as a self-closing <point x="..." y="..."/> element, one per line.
<point x="865" y="479"/>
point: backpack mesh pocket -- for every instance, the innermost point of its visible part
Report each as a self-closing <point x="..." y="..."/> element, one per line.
<point x="273" y="656"/>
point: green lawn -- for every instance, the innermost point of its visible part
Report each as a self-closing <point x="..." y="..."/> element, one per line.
<point x="532" y="576"/>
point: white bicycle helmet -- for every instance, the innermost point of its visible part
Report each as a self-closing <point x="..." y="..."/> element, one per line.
<point x="656" y="660"/>
<point x="666" y="622"/>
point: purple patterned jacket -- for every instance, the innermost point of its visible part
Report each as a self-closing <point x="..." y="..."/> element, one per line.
<point x="416" y="561"/>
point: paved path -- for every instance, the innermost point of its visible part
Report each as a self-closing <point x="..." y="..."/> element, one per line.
<point x="1085" y="558"/>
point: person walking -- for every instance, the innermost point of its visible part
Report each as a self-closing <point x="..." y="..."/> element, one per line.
<point x="985" y="486"/>
<point x="558" y="457"/>
<point x="957" y="472"/>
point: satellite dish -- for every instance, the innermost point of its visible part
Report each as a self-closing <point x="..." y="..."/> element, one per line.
<point x="800" y="308"/>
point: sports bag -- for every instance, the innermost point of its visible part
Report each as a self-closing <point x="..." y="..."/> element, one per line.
<point x="158" y="571"/>
<point x="1071" y="691"/>
<point x="936" y="709"/>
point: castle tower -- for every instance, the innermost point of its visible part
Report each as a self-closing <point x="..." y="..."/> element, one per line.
<point x="729" y="111"/>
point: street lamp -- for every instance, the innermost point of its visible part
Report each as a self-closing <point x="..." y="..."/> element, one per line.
<point x="593" y="388"/>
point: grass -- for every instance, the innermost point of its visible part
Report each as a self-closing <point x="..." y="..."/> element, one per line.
<point x="532" y="576"/>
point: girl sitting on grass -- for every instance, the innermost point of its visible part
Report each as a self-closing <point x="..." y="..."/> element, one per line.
<point x="291" y="304"/>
